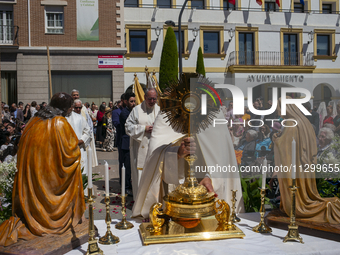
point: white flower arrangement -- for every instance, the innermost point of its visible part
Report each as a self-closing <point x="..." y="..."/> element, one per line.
<point x="7" y="174"/>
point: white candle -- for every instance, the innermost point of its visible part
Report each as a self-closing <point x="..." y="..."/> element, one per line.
<point x="107" y="179"/>
<point x="264" y="173"/>
<point x="123" y="180"/>
<point x="293" y="159"/>
<point x="89" y="167"/>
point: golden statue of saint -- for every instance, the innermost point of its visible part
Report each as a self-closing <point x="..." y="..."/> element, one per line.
<point x="309" y="204"/>
<point x="48" y="196"/>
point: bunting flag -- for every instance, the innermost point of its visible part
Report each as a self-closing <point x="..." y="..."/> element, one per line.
<point x="278" y="3"/>
<point x="259" y="2"/>
<point x="138" y="90"/>
<point x="156" y="86"/>
<point x="302" y="2"/>
<point x="232" y="2"/>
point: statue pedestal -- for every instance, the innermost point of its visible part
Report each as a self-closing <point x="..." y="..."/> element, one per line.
<point x="51" y="244"/>
<point x="278" y="219"/>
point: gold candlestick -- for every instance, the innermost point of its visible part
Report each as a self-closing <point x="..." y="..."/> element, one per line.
<point x="233" y="217"/>
<point x="109" y="238"/>
<point x="262" y="227"/>
<point x="124" y="224"/>
<point x="93" y="245"/>
<point x="293" y="232"/>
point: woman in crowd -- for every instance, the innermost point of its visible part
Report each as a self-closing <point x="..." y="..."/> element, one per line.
<point x="100" y="114"/>
<point x="27" y="113"/>
<point x="329" y="116"/>
<point x="33" y="108"/>
<point x="337" y="119"/>
<point x="93" y="114"/>
<point x="109" y="139"/>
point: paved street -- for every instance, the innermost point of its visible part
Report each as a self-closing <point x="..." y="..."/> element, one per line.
<point x="99" y="188"/>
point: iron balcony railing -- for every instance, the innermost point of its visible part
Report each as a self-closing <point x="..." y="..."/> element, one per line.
<point x="9" y="35"/>
<point x="270" y="58"/>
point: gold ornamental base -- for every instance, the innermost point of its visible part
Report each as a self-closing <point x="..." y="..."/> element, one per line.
<point x="208" y="229"/>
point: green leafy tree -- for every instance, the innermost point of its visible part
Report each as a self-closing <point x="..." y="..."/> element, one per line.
<point x="168" y="69"/>
<point x="200" y="63"/>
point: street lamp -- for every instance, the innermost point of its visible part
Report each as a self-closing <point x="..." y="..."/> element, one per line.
<point x="170" y="23"/>
<point x="179" y="38"/>
<point x="231" y="34"/>
<point x="158" y="32"/>
<point x="195" y="33"/>
<point x="311" y="36"/>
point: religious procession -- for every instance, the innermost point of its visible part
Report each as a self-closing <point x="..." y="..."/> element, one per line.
<point x="216" y="145"/>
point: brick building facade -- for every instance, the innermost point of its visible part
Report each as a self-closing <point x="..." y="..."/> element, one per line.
<point x="30" y="27"/>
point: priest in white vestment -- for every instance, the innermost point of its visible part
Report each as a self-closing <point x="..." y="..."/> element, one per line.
<point x="164" y="168"/>
<point x="82" y="130"/>
<point x="85" y="114"/>
<point x="139" y="127"/>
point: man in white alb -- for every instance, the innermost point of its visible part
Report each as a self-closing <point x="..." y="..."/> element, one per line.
<point x="82" y="130"/>
<point x="139" y="127"/>
<point x="164" y="166"/>
<point x="85" y="114"/>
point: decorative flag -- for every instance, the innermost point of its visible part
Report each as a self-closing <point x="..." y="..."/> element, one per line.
<point x="138" y="90"/>
<point x="232" y="2"/>
<point x="302" y="2"/>
<point x="278" y="3"/>
<point x="259" y="2"/>
<point x="156" y="83"/>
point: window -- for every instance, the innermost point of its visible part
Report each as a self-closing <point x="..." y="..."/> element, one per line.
<point x="290" y="49"/>
<point x="182" y="40"/>
<point x="246" y="49"/>
<point x="198" y="4"/>
<point x="211" y="42"/>
<point x="131" y="3"/>
<point x="270" y="6"/>
<point x="138" y="41"/>
<point x="54" y="20"/>
<point x="322" y="43"/>
<point x="326" y="8"/>
<point x="6" y="27"/>
<point x="227" y="5"/>
<point x="298" y="7"/>
<point x="164" y="3"/>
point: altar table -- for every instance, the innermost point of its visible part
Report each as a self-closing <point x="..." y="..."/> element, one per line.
<point x="253" y="243"/>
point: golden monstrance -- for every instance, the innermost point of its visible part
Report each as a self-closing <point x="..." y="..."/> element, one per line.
<point x="191" y="213"/>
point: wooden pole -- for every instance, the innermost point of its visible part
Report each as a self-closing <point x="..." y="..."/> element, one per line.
<point x="49" y="70"/>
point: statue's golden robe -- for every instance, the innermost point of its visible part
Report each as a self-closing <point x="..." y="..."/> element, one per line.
<point x="309" y="204"/>
<point x="48" y="196"/>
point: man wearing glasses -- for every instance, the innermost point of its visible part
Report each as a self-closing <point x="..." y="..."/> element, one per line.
<point x="82" y="130"/>
<point x="139" y="127"/>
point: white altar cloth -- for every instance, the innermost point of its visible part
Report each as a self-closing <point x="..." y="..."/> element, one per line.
<point x="253" y="243"/>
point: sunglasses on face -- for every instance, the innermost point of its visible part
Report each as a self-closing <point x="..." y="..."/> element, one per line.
<point x="77" y="107"/>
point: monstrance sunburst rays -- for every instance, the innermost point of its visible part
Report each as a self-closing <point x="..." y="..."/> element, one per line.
<point x="182" y="103"/>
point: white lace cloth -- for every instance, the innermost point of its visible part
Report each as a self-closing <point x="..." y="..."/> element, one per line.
<point x="253" y="243"/>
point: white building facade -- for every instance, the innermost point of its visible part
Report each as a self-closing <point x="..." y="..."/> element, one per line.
<point x="247" y="45"/>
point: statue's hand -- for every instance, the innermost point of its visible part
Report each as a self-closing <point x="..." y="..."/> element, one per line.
<point x="206" y="182"/>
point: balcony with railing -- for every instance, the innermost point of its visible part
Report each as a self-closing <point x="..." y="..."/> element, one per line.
<point x="9" y="35"/>
<point x="273" y="59"/>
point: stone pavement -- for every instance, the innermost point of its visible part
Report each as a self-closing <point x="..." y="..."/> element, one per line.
<point x="115" y="189"/>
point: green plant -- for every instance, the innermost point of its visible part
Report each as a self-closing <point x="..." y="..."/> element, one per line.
<point x="200" y="63"/>
<point x="251" y="194"/>
<point x="7" y="174"/>
<point x="168" y="68"/>
<point x="85" y="178"/>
